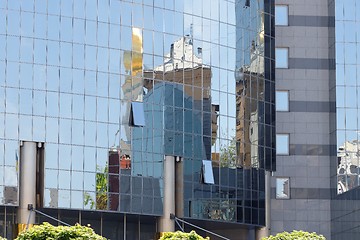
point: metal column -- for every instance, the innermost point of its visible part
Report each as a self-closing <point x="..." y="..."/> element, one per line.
<point x="265" y="231"/>
<point x="179" y="190"/>
<point x="165" y="223"/>
<point x="27" y="187"/>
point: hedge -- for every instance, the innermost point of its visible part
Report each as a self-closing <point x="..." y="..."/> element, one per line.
<point x="296" y="235"/>
<point x="48" y="231"/>
<point x="182" y="236"/>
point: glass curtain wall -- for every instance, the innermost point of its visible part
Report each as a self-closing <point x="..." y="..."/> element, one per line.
<point x="110" y="87"/>
<point x="345" y="91"/>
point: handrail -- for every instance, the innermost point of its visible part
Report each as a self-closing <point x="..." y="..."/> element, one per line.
<point x="31" y="208"/>
<point x="172" y="216"/>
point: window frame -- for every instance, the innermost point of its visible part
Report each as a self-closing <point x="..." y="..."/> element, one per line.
<point x="207" y="172"/>
<point x="288" y="188"/>
<point x="287" y="58"/>
<point x="287" y="108"/>
<point x="286" y="22"/>
<point x="137" y="114"/>
<point x="288" y="144"/>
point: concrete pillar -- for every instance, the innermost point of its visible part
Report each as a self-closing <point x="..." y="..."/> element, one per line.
<point x="27" y="186"/>
<point x="265" y="231"/>
<point x="179" y="190"/>
<point x="165" y="223"/>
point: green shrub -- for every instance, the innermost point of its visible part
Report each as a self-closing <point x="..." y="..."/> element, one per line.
<point x="182" y="236"/>
<point x="296" y="235"/>
<point x="1" y="238"/>
<point x="48" y="231"/>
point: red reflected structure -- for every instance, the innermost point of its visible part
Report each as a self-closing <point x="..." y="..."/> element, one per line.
<point x="116" y="162"/>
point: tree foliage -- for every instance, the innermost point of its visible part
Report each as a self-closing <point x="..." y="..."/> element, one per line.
<point x="47" y="231"/>
<point x="101" y="191"/>
<point x="296" y="235"/>
<point x="228" y="154"/>
<point x="1" y="238"/>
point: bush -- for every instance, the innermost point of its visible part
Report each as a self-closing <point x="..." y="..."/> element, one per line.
<point x="1" y="238"/>
<point x="182" y="236"/>
<point x="296" y="235"/>
<point x="48" y="231"/>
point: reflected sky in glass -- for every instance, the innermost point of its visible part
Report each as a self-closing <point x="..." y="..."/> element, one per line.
<point x="282" y="144"/>
<point x="347" y="94"/>
<point x="70" y="72"/>
<point x="281" y="57"/>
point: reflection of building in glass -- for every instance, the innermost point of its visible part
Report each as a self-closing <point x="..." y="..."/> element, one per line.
<point x="182" y="66"/>
<point x="344" y="96"/>
<point x="348" y="166"/>
<point x="117" y="163"/>
<point x="249" y="114"/>
<point x="124" y="112"/>
<point x="282" y="188"/>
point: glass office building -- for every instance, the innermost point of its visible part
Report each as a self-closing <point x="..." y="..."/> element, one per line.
<point x="106" y="89"/>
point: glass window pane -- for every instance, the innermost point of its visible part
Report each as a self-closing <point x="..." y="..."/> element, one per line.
<point x="25" y="127"/>
<point x="11" y="123"/>
<point x="281" y="15"/>
<point x="26" y="50"/>
<point x="25" y="101"/>
<point x="281" y="57"/>
<point x="282" y="188"/>
<point x="138" y="116"/>
<point x="13" y="23"/>
<point x="12" y="47"/>
<point x="282" y="144"/>
<point x="3" y="49"/>
<point x="53" y="30"/>
<point x="207" y="171"/>
<point x="38" y="129"/>
<point x="52" y="129"/>
<point x="39" y="107"/>
<point x="79" y="7"/>
<point x="282" y="101"/>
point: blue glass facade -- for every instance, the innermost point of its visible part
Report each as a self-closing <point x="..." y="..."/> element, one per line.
<point x="111" y="87"/>
<point x="345" y="205"/>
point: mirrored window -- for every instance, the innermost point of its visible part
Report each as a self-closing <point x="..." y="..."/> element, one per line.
<point x="282" y="101"/>
<point x="137" y="116"/>
<point x="207" y="172"/>
<point x="281" y="57"/>
<point x="281" y="15"/>
<point x="283" y="188"/>
<point x="282" y="144"/>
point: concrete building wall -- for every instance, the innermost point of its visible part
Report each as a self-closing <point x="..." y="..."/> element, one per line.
<point x="307" y="121"/>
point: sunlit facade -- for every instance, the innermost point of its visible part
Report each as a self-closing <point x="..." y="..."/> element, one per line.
<point x="316" y="184"/>
<point x="108" y="89"/>
<point x="305" y="70"/>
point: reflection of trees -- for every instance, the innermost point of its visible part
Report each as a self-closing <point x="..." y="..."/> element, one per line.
<point x="228" y="154"/>
<point x="223" y="210"/>
<point x="101" y="191"/>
